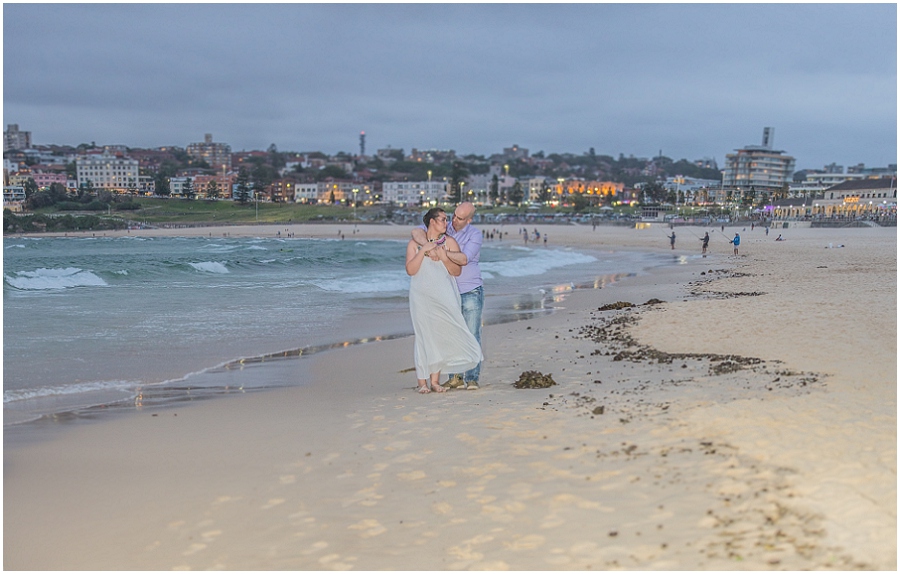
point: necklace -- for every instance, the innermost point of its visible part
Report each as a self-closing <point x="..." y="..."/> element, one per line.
<point x="439" y="240"/>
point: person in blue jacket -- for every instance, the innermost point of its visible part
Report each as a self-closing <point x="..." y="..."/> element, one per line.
<point x="736" y="242"/>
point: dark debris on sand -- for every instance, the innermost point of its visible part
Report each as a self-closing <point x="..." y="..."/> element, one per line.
<point x="534" y="380"/>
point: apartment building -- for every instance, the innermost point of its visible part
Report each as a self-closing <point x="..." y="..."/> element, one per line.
<point x="201" y="184"/>
<point x="115" y="173"/>
<point x="414" y="192"/>
<point x="216" y="155"/>
<point x="759" y="167"/>
<point x="13" y="197"/>
<point x="43" y="179"/>
<point x="572" y="186"/>
<point x="307" y="192"/>
<point x="15" y="139"/>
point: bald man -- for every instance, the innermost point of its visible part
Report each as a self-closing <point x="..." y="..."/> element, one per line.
<point x="469" y="282"/>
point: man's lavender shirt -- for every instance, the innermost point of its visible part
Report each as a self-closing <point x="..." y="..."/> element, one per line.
<point x="469" y="240"/>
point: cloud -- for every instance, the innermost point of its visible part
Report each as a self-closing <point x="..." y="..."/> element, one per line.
<point x="695" y="80"/>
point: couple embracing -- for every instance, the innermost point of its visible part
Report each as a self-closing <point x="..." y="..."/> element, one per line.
<point x="446" y="297"/>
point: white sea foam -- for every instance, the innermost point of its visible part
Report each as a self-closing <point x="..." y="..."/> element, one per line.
<point x="19" y="245"/>
<point x="384" y="282"/>
<point x="54" y="279"/>
<point x="210" y="267"/>
<point x="536" y="262"/>
<point x="14" y="395"/>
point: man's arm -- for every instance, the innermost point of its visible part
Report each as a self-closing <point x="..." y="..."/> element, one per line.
<point x="471" y="250"/>
<point x="418" y="235"/>
<point x="458" y="257"/>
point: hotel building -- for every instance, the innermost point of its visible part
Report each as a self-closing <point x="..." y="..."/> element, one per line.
<point x="111" y="172"/>
<point x="758" y="167"/>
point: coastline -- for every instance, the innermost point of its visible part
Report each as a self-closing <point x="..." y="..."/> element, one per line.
<point x="357" y="471"/>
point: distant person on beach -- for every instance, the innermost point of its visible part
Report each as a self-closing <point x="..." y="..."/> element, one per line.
<point x="470" y="282"/>
<point x="736" y="242"/>
<point x="779" y="238"/>
<point x="705" y="240"/>
<point x="672" y="239"/>
<point x="442" y="338"/>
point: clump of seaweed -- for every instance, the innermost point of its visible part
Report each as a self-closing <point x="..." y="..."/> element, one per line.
<point x="616" y="306"/>
<point x="534" y="380"/>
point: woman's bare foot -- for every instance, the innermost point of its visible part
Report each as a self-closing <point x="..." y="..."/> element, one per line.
<point x="436" y="385"/>
<point x="423" y="388"/>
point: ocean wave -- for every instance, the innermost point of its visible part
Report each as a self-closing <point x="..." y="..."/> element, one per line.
<point x="210" y="267"/>
<point x="54" y="279"/>
<point x="19" y="245"/>
<point x="218" y="248"/>
<point x="537" y="261"/>
<point x="14" y="395"/>
<point x="386" y="282"/>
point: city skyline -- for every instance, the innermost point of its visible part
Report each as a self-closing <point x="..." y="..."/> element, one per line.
<point x="692" y="81"/>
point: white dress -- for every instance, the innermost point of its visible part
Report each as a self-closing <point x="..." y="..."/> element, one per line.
<point x="443" y="341"/>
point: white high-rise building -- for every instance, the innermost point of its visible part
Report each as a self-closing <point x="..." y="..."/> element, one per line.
<point x="112" y="172"/>
<point x="14" y="139"/>
<point x="413" y="192"/>
<point x="758" y="167"/>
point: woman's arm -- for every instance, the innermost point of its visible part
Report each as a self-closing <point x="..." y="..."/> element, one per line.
<point x="450" y="246"/>
<point x="414" y="256"/>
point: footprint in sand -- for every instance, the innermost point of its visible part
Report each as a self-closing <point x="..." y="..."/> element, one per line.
<point x="441" y="508"/>
<point x="527" y="542"/>
<point x="315" y="547"/>
<point x="287" y="479"/>
<point x="210" y="535"/>
<point x="273" y="502"/>
<point x="414" y="475"/>
<point x="333" y="562"/>
<point x="368" y="527"/>
<point x="398" y="445"/>
<point x="193" y="549"/>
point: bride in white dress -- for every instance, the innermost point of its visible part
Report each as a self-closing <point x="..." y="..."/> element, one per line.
<point x="443" y="341"/>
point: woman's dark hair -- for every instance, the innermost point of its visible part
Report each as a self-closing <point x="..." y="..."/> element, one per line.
<point x="431" y="214"/>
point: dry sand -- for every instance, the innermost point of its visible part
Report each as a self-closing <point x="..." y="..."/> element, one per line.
<point x="746" y="422"/>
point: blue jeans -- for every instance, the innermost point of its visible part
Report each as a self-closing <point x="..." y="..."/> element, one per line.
<point x="472" y="305"/>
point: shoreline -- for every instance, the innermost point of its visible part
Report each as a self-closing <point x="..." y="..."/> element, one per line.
<point x="370" y="325"/>
<point x="708" y="471"/>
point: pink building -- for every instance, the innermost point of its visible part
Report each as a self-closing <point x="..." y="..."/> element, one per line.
<point x="44" y="178"/>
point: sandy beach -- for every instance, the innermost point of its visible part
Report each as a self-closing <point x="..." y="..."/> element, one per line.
<point x="731" y="412"/>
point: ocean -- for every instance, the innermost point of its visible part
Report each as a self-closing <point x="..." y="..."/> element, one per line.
<point x="105" y="322"/>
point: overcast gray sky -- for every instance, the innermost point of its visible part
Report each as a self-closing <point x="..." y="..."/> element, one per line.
<point x="692" y="80"/>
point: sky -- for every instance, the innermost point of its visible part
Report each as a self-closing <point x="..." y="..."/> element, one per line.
<point x="691" y="80"/>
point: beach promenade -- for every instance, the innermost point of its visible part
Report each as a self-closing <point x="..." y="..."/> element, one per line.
<point x="739" y="414"/>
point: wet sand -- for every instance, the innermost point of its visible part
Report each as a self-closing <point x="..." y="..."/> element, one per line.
<point x="744" y="420"/>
